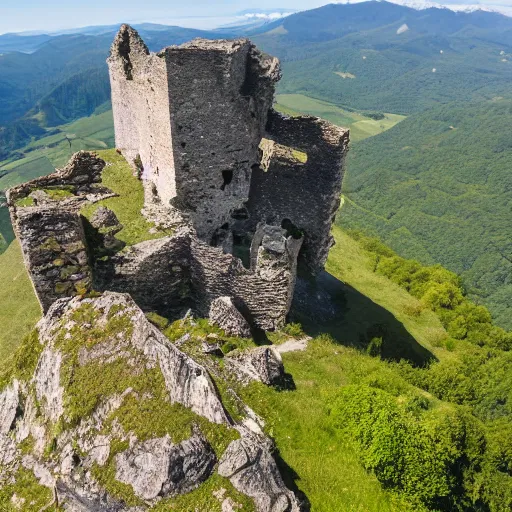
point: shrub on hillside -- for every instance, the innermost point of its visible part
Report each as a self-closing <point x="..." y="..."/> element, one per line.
<point x="444" y="458"/>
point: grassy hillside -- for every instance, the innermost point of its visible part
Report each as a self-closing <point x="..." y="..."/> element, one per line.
<point x="361" y="126"/>
<point x="437" y="187"/>
<point x="19" y="308"/>
<point x="454" y="403"/>
<point x="93" y="132"/>
<point x="41" y="157"/>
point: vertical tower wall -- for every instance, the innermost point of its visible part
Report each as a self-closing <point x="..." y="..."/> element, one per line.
<point x="305" y="193"/>
<point x="220" y="93"/>
<point x="195" y="114"/>
<point x="140" y="103"/>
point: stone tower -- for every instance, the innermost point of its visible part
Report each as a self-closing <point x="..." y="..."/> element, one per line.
<point x="250" y="194"/>
<point x="192" y="118"/>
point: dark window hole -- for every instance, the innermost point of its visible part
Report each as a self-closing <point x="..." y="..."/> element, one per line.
<point x="291" y="229"/>
<point x="227" y="176"/>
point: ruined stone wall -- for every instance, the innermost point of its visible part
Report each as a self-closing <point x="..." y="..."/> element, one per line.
<point x="305" y="193"/>
<point x="169" y="274"/>
<point x="155" y="273"/>
<point x="50" y="230"/>
<point x="53" y="244"/>
<point x="220" y="93"/>
<point x="140" y="103"/>
<point x="195" y="114"/>
<point x="81" y="172"/>
<point x="263" y="294"/>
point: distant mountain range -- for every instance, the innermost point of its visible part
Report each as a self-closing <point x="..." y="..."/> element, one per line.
<point x="455" y="6"/>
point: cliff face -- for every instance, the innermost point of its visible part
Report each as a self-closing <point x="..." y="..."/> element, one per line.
<point x="112" y="416"/>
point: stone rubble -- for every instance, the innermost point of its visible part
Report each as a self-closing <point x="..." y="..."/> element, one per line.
<point x="224" y="314"/>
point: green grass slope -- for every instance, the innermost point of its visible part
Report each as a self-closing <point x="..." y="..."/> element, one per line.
<point x="437" y="187"/>
<point x="43" y="156"/>
<point x="19" y="308"/>
<point x="445" y="413"/>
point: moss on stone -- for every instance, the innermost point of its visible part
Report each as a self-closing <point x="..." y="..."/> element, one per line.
<point x="26" y="447"/>
<point x="25" y="201"/>
<point x="59" y="193"/>
<point x="207" y="497"/>
<point x="50" y="244"/>
<point x="201" y="330"/>
<point x="81" y="287"/>
<point x="62" y="288"/>
<point x="86" y="385"/>
<point x="23" y="363"/>
<point x="54" y="193"/>
<point x="157" y="320"/>
<point x="68" y="271"/>
<point x="27" y="492"/>
<point x="106" y="476"/>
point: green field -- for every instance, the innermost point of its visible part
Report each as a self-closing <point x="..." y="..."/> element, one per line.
<point x="361" y="126"/>
<point x="19" y="309"/>
<point x="42" y="156"/>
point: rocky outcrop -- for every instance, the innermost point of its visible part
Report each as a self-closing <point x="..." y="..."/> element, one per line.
<point x="104" y="376"/>
<point x="160" y="468"/>
<point x="263" y="364"/>
<point x="249" y="465"/>
<point x="187" y="382"/>
<point x="224" y="314"/>
<point x="9" y="402"/>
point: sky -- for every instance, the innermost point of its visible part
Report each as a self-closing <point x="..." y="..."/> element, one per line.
<point x="51" y="15"/>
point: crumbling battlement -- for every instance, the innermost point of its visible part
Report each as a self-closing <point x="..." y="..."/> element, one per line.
<point x="227" y="174"/>
<point x="306" y="193"/>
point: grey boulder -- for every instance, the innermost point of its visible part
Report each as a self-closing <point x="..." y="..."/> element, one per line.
<point x="225" y="314"/>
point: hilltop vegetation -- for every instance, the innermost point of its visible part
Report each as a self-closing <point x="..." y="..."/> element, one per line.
<point x="437" y="187"/>
<point x="362" y="124"/>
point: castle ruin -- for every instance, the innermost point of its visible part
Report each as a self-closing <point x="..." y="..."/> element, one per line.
<point x="250" y="195"/>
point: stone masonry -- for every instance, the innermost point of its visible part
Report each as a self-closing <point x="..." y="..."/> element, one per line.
<point x="250" y="195"/>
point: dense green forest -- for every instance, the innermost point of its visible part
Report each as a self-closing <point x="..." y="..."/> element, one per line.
<point x="449" y="455"/>
<point x="438" y="187"/>
<point x="76" y="97"/>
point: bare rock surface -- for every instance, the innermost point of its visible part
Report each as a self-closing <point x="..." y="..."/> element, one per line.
<point x="158" y="467"/>
<point x="293" y="345"/>
<point x="263" y="364"/>
<point x="187" y="382"/>
<point x="9" y="400"/>
<point x="252" y="470"/>
<point x="225" y="314"/>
